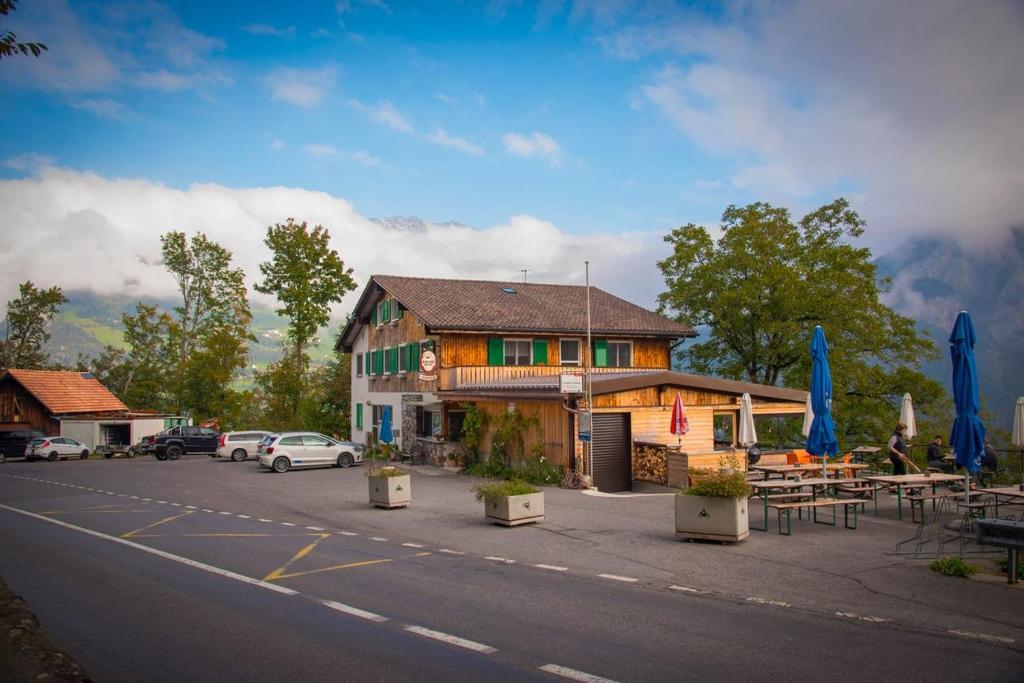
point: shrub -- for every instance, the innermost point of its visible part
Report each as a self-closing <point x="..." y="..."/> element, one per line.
<point x="1004" y="567"/>
<point x="377" y="471"/>
<point x="953" y="566"/>
<point x="538" y="471"/>
<point x="717" y="485"/>
<point x="512" y="487"/>
<point x="490" y="468"/>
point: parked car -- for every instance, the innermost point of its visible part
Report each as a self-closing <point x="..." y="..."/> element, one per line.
<point x="281" y="452"/>
<point x="172" y="443"/>
<point x="55" y="447"/>
<point x="238" y="445"/>
<point x="14" y="443"/>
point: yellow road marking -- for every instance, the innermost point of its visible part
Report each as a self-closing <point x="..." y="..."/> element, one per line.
<point x="277" y="573"/>
<point x="129" y="534"/>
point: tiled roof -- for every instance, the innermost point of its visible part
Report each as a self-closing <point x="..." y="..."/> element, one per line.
<point x="65" y="393"/>
<point x="519" y="306"/>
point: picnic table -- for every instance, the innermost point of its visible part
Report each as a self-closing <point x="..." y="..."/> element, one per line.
<point x="868" y="455"/>
<point x="806" y="468"/>
<point x="1013" y="495"/>
<point x="907" y="481"/>
<point x="792" y="491"/>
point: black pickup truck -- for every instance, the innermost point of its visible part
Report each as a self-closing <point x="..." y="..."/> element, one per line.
<point x="172" y="443"/>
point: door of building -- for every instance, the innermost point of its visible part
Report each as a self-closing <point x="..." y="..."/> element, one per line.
<point x="611" y="452"/>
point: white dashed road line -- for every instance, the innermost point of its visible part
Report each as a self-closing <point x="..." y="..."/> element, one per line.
<point x="451" y="640"/>
<point x="573" y="674"/>
<point x="500" y="559"/>
<point x="314" y="528"/>
<point x="379" y="539"/>
<point x="348" y="533"/>
<point x="616" y="577"/>
<point x="287" y="524"/>
<point x="982" y="636"/>
<point x="244" y="517"/>
<point x="413" y="545"/>
<point x="269" y="521"/>
<point x="449" y="551"/>
<point x="552" y="567"/>
<point x="765" y="601"/>
<point x="859" y="617"/>
<point x="354" y="611"/>
<point x="685" y="589"/>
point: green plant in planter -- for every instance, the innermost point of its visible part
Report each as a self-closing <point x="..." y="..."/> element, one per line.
<point x="379" y="471"/>
<point x="718" y="485"/>
<point x="512" y="487"/>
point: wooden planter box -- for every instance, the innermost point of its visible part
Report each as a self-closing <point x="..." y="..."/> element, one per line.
<point x="391" y="492"/>
<point x="712" y="519"/>
<point x="515" y="510"/>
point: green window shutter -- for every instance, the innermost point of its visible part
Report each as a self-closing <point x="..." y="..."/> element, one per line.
<point x="496" y="351"/>
<point x="414" y="357"/>
<point x="359" y="416"/>
<point x="373" y="315"/>
<point x="398" y="311"/>
<point x="600" y="353"/>
<point x="387" y="361"/>
<point x="540" y="351"/>
<point x="369" y="362"/>
<point x="385" y="311"/>
<point x="378" y="362"/>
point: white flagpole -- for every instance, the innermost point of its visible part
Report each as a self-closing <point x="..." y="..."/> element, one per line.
<point x="590" y="387"/>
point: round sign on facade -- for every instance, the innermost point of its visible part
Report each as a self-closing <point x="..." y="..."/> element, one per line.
<point x="428" y="361"/>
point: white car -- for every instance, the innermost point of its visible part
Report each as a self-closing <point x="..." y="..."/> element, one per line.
<point x="239" y="445"/>
<point x="281" y="452"/>
<point x="54" y="447"/>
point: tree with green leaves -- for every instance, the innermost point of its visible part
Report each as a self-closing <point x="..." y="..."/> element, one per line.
<point x="208" y="338"/>
<point x="137" y="374"/>
<point x="25" y="326"/>
<point x="306" y="276"/>
<point x="9" y="44"/>
<point x="758" y="291"/>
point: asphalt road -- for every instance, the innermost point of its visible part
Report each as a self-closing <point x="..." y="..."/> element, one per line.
<point x="138" y="580"/>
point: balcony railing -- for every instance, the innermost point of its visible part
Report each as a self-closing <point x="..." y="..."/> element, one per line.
<point x="467" y="375"/>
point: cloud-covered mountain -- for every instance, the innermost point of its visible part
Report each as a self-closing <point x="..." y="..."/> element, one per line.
<point x="935" y="278"/>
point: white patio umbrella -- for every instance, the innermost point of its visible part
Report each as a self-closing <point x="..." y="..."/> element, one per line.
<point x="808" y="416"/>
<point x="747" y="435"/>
<point x="907" y="417"/>
<point x="1018" y="435"/>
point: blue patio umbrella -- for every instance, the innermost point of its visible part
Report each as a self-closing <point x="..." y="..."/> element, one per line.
<point x="386" y="434"/>
<point x="821" y="439"/>
<point x="967" y="438"/>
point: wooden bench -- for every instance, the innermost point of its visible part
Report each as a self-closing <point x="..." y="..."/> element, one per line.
<point x="787" y="510"/>
<point x="780" y="497"/>
<point x="917" y="502"/>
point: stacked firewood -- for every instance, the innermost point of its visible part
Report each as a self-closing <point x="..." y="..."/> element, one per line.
<point x="650" y="464"/>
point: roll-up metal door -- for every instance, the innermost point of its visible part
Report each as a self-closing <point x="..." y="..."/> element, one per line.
<point x="611" y="457"/>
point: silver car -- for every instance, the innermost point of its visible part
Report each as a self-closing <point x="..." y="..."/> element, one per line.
<point x="281" y="452"/>
<point x="54" y="447"/>
<point x="239" y="445"/>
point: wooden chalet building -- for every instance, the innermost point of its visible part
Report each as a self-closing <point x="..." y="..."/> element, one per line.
<point x="503" y="346"/>
<point x="39" y="399"/>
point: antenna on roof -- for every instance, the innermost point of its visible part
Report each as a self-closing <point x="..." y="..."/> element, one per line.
<point x="524" y="271"/>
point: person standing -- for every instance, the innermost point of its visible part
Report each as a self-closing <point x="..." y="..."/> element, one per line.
<point x="898" y="450"/>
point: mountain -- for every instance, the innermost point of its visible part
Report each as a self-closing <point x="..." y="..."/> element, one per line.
<point x="936" y="278"/>
<point x="91" y="321"/>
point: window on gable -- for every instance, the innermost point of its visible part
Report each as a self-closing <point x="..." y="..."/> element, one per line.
<point x="569" y="351"/>
<point x="518" y="352"/>
<point x="620" y="354"/>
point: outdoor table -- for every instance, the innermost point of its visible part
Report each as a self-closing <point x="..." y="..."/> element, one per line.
<point x="911" y="481"/>
<point x="1013" y="494"/>
<point x="763" y="488"/>
<point x="863" y="454"/>
<point x="806" y="467"/>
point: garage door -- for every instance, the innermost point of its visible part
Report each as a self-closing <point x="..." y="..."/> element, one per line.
<point x="611" y="452"/>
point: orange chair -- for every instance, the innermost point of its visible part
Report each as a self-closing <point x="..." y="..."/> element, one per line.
<point x="798" y="457"/>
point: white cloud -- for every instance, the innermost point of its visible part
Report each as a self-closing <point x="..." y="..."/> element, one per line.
<point x="117" y="222"/>
<point x="330" y="151"/>
<point x="385" y="114"/>
<point x="268" y="30"/>
<point x="301" y="87"/>
<point x="30" y="162"/>
<point x="441" y="137"/>
<point x="366" y="159"/>
<point x="534" y="144"/>
<point x="104" y="108"/>
<point x="277" y="145"/>
<point x="319" y="150"/>
<point x="915" y="107"/>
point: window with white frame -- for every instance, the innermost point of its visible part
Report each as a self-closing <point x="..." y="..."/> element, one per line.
<point x="620" y="354"/>
<point x="359" y="365"/>
<point x="518" y="352"/>
<point x="569" y="351"/>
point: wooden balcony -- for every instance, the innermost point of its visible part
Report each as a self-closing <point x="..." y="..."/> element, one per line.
<point x="469" y="375"/>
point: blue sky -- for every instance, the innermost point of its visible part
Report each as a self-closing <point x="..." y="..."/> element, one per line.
<point x="557" y="131"/>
